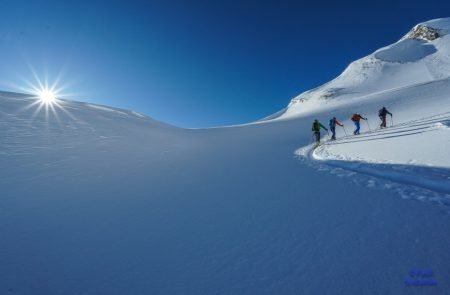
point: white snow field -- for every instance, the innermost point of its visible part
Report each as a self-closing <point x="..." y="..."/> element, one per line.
<point x="97" y="200"/>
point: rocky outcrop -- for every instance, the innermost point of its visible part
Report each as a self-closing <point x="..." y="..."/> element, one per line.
<point x="423" y="32"/>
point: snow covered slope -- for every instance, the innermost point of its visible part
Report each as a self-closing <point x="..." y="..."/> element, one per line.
<point x="97" y="200"/>
<point x="412" y="79"/>
<point x="421" y="56"/>
<point x="104" y="201"/>
<point x="420" y="135"/>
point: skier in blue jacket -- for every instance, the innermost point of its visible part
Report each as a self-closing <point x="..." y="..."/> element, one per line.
<point x="332" y="124"/>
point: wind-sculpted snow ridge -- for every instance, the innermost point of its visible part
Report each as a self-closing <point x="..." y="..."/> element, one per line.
<point x="392" y="166"/>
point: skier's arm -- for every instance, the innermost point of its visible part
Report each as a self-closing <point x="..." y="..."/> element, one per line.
<point x="322" y="126"/>
<point x="339" y="123"/>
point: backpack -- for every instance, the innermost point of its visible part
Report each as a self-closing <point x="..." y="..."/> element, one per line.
<point x="355" y="118"/>
<point x="331" y="124"/>
<point x="315" y="126"/>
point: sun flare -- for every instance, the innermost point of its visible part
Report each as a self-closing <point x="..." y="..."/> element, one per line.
<point x="47" y="96"/>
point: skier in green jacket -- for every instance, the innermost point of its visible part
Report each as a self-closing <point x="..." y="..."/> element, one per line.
<point x="316" y="129"/>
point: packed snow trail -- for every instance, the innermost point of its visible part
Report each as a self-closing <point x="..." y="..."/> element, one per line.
<point x="425" y="183"/>
<point x="434" y="122"/>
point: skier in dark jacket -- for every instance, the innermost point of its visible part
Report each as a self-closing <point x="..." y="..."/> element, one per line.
<point x="382" y="114"/>
<point x="356" y="118"/>
<point x="316" y="129"/>
<point x="332" y="124"/>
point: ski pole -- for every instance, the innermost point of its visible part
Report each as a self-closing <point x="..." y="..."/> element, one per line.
<point x="392" y="121"/>
<point x="367" y="121"/>
<point x="345" y="131"/>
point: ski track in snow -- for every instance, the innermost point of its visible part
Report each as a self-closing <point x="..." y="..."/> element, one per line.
<point x="422" y="183"/>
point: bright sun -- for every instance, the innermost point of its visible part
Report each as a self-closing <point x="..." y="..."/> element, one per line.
<point x="47" y="96"/>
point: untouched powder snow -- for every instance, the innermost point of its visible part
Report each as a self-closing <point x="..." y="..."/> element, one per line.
<point x="98" y="200"/>
<point x="408" y="50"/>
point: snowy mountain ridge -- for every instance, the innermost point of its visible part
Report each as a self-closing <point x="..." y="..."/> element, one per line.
<point x="421" y="56"/>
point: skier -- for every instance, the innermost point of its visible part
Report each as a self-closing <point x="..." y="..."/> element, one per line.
<point x="356" y="118"/>
<point x="382" y="114"/>
<point x="332" y="125"/>
<point x="316" y="129"/>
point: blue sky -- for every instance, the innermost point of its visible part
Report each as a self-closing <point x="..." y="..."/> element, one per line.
<point x="196" y="63"/>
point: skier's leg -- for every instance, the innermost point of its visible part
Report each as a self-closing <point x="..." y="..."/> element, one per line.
<point x="318" y="137"/>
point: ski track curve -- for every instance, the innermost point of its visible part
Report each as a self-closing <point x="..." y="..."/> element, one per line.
<point x="422" y="183"/>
